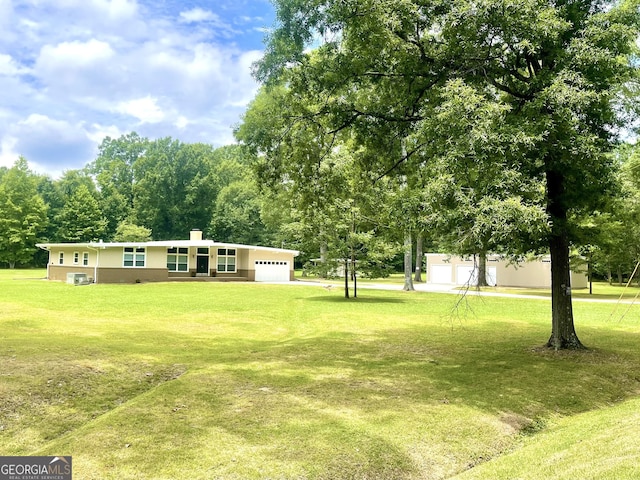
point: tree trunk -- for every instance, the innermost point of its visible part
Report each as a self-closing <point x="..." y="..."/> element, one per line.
<point x="346" y="278"/>
<point x="12" y="265"/>
<point x="563" y="334"/>
<point x="590" y="274"/>
<point x="408" y="262"/>
<point x="419" y="258"/>
<point x="482" y="269"/>
<point x="620" y="275"/>
<point x="354" y="274"/>
<point x="323" y="260"/>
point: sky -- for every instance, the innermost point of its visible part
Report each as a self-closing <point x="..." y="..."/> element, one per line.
<point x="73" y="72"/>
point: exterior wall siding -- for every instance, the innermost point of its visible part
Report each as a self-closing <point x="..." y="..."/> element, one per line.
<point x="534" y="274"/>
<point x="132" y="275"/>
<point x="59" y="272"/>
<point x="106" y="263"/>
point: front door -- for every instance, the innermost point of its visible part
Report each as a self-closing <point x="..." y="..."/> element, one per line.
<point x="202" y="266"/>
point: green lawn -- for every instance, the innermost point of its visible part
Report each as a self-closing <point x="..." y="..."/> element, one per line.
<point x="251" y="381"/>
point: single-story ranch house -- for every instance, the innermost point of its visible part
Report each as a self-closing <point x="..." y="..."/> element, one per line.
<point x="449" y="269"/>
<point x="161" y="261"/>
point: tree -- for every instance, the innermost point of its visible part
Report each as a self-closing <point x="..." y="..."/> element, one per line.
<point x="173" y="192"/>
<point x="71" y="180"/>
<point x="238" y="212"/>
<point x="114" y="173"/>
<point x="81" y="218"/>
<point x="612" y="235"/>
<point x="53" y="199"/>
<point x="553" y="69"/>
<point x="339" y="208"/>
<point x="129" y="232"/>
<point x="23" y="214"/>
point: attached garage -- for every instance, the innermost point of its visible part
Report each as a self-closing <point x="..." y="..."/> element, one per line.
<point x="169" y="260"/>
<point x="272" y="270"/>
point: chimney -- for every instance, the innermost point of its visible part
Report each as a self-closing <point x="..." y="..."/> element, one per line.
<point x="195" y="235"/>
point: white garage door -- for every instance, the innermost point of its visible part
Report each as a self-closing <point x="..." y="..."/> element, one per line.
<point x="492" y="276"/>
<point x="440" y="274"/>
<point x="468" y="275"/>
<point x="465" y="275"/>
<point x="272" y="271"/>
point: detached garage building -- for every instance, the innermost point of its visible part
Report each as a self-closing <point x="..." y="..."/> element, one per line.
<point x="453" y="270"/>
<point x="131" y="262"/>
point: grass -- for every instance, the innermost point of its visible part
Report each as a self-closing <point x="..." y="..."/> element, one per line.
<point x="250" y="381"/>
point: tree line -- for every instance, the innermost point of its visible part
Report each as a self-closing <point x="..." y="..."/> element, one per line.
<point x="136" y="189"/>
<point x="139" y="189"/>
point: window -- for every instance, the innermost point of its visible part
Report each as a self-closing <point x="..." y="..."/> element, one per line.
<point x="178" y="259"/>
<point x="134" y="256"/>
<point x="61" y="258"/>
<point x="85" y="258"/>
<point x="76" y="258"/>
<point x="227" y="260"/>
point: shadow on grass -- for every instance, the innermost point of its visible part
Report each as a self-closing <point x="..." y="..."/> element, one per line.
<point x="363" y="405"/>
<point x="364" y="300"/>
<point x="490" y="368"/>
<point x="324" y="392"/>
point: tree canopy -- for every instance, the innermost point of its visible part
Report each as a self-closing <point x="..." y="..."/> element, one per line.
<point x="23" y="214"/>
<point x="545" y="79"/>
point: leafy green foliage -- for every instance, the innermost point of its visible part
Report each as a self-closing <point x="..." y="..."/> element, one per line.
<point x="81" y="218"/>
<point x="172" y="190"/>
<point x="114" y="174"/>
<point x="525" y="92"/>
<point x="23" y="214"/>
<point x="129" y="232"/>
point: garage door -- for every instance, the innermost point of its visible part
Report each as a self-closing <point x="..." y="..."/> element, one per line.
<point x="440" y="274"/>
<point x="466" y="275"/>
<point x="272" y="271"/>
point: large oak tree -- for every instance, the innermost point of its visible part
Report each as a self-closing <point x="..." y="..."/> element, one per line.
<point x="553" y="68"/>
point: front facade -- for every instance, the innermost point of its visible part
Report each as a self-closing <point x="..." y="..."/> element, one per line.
<point x="133" y="262"/>
<point x="454" y="270"/>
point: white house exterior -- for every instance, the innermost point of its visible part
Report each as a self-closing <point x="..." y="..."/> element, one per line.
<point x="131" y="262"/>
<point x="454" y="270"/>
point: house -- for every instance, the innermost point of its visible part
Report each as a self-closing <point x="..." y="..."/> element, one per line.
<point x="161" y="261"/>
<point x="449" y="269"/>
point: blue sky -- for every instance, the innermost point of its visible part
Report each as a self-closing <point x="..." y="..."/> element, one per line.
<point x="75" y="71"/>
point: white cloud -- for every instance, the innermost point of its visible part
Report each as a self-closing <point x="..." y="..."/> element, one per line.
<point x="104" y="9"/>
<point x="197" y="14"/>
<point x="8" y="153"/>
<point x="80" y="70"/>
<point x="74" y="54"/>
<point x="8" y="66"/>
<point x="97" y="133"/>
<point x="6" y="11"/>
<point x="181" y="122"/>
<point x="117" y="9"/>
<point x="144" y="109"/>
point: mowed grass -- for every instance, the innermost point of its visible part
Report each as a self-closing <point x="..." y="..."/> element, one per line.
<point x="252" y="381"/>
